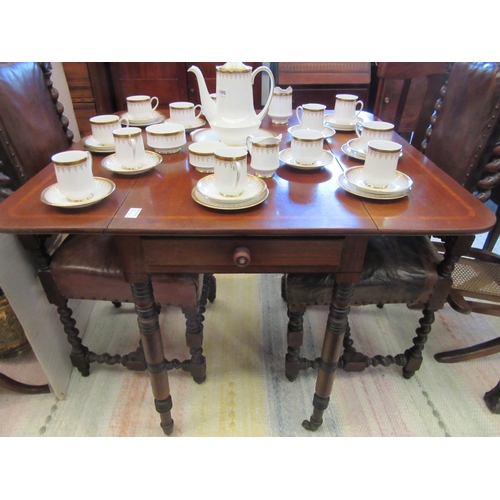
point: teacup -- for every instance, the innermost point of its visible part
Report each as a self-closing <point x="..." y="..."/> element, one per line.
<point x="307" y="146"/>
<point x="280" y="109"/>
<point x="129" y="147"/>
<point x="201" y="155"/>
<point x="184" y="112"/>
<point x="141" y="107"/>
<point x="313" y="116"/>
<point x="345" y="108"/>
<point x="265" y="155"/>
<point x="166" y="138"/>
<point x="230" y="170"/>
<point x="370" y="131"/>
<point x="103" y="126"/>
<point x="74" y="174"/>
<point x="381" y="163"/>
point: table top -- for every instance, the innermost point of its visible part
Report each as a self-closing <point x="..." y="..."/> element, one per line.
<point x="300" y="203"/>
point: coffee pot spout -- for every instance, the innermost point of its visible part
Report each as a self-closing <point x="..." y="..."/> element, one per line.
<point x="207" y="103"/>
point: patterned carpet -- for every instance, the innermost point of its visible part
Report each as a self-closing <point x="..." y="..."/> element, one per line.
<point x="246" y="392"/>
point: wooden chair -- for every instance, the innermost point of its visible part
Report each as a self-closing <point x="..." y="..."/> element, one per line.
<point x="83" y="266"/>
<point x="494" y="234"/>
<point x="476" y="277"/>
<point x="409" y="270"/>
<point x="406" y="95"/>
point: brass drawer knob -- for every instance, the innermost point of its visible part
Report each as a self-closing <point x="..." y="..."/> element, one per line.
<point x="241" y="256"/>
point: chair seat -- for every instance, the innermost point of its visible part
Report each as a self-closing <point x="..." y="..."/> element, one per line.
<point x="396" y="270"/>
<point x="87" y="267"/>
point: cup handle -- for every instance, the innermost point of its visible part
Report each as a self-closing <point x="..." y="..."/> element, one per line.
<point x="123" y="120"/>
<point x="89" y="160"/>
<point x="133" y="145"/>
<point x="249" y="140"/>
<point x="297" y="113"/>
<point x="238" y="173"/>
<point x="360" y="109"/>
<point x="199" y="114"/>
<point x="359" y="127"/>
<point x="157" y="102"/>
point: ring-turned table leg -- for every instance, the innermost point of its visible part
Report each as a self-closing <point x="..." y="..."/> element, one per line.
<point x="149" y="327"/>
<point x="331" y="351"/>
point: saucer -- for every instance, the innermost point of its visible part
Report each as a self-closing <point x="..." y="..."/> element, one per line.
<point x="93" y="146"/>
<point x="286" y="157"/>
<point x="52" y="195"/>
<point x="208" y="202"/>
<point x="152" y="159"/>
<point x="199" y="122"/>
<point x="342" y="126"/>
<point x="254" y="188"/>
<point x="353" y="189"/>
<point x="143" y="122"/>
<point x="357" y="154"/>
<point x="401" y="183"/>
<point x="327" y="131"/>
<point x="207" y="134"/>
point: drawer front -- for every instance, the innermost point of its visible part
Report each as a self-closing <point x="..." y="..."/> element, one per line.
<point x="246" y="255"/>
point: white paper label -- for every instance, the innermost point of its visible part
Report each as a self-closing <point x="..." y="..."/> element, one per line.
<point x="133" y="213"/>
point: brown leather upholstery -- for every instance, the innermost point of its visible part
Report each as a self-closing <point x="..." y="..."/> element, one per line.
<point x="460" y="139"/>
<point x="32" y="126"/>
<point x="396" y="270"/>
<point x="467" y="126"/>
<point x="87" y="267"/>
<point x="32" y="129"/>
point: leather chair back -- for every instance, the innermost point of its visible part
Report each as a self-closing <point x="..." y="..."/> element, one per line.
<point x="466" y="125"/>
<point x="406" y="94"/>
<point x="32" y="127"/>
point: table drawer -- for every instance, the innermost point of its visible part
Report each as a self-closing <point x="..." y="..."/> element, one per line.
<point x="226" y="254"/>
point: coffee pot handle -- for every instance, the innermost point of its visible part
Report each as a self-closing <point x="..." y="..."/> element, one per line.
<point x="261" y="115"/>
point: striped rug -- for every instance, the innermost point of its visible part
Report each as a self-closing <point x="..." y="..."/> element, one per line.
<point x="246" y="392"/>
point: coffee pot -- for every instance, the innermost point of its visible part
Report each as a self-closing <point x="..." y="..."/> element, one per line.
<point x="232" y="115"/>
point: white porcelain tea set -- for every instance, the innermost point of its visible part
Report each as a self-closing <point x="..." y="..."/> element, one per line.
<point x="221" y="151"/>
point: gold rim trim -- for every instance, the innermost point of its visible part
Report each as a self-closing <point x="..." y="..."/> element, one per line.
<point x="307" y="140"/>
<point x="142" y="99"/>
<point x="127" y="136"/>
<point x="107" y="122"/>
<point x="195" y="153"/>
<point x="244" y="69"/>
<point x="72" y="162"/>
<point x="164" y="133"/>
<point x="257" y="145"/>
<point x="388" y="151"/>
<point x="230" y="158"/>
